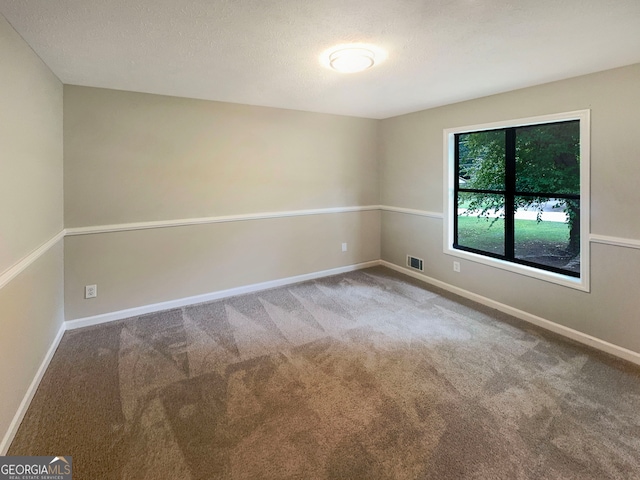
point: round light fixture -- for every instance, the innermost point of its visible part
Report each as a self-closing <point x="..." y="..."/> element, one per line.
<point x="351" y="60"/>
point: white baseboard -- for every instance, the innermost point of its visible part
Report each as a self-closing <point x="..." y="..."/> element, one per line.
<point x="620" y="352"/>
<point x="31" y="391"/>
<point x="208" y="297"/>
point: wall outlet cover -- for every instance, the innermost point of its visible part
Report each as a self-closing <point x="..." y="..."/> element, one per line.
<point x="90" y="291"/>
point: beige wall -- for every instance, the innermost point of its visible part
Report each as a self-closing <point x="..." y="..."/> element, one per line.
<point x="31" y="313"/>
<point x="144" y="267"/>
<point x="411" y="168"/>
<point x="30" y="151"/>
<point x="31" y="213"/>
<point x="133" y="157"/>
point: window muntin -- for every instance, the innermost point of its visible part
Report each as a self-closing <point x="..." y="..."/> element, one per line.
<point x="527" y="200"/>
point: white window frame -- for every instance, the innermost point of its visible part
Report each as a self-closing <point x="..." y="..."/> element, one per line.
<point x="581" y="283"/>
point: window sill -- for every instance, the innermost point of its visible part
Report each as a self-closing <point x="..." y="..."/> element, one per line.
<point x="581" y="283"/>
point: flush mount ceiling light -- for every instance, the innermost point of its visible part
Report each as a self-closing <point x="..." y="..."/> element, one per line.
<point x="352" y="58"/>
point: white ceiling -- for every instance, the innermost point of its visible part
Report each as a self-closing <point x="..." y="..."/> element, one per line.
<point x="266" y="52"/>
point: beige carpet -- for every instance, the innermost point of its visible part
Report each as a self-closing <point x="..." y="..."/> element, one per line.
<point x="366" y="375"/>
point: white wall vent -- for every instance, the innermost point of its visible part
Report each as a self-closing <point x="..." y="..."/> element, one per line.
<point x="415" y="263"/>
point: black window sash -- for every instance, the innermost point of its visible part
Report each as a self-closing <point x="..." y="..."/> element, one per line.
<point x="510" y="193"/>
<point x="510" y="197"/>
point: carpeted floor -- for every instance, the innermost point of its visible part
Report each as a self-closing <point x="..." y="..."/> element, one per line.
<point x="365" y="375"/>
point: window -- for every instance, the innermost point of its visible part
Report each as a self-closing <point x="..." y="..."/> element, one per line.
<point x="517" y="196"/>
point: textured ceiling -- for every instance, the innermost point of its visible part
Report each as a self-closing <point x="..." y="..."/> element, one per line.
<point x="266" y="52"/>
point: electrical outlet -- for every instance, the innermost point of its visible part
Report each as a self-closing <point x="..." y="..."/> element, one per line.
<point x="456" y="267"/>
<point x="344" y="247"/>
<point x="91" y="291"/>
